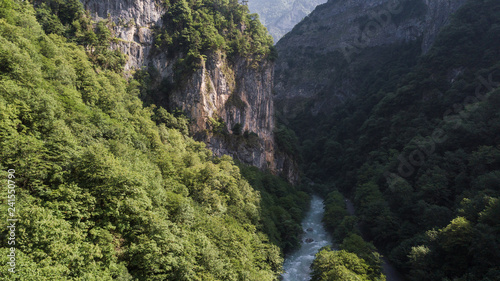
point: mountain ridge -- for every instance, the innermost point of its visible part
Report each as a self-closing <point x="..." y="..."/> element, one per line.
<point x="361" y="32"/>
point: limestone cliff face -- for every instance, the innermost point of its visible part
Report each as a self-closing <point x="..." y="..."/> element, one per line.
<point x="134" y="20"/>
<point x="325" y="57"/>
<point x="237" y="92"/>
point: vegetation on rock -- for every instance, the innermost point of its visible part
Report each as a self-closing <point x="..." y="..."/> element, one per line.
<point x="195" y="29"/>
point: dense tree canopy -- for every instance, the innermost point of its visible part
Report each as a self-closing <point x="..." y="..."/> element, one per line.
<point x="198" y="28"/>
<point x="340" y="265"/>
<point x="418" y="153"/>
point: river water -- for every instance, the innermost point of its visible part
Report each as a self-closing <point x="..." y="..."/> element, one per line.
<point x="297" y="265"/>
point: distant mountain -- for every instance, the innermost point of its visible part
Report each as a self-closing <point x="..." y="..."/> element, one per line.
<point x="280" y="16"/>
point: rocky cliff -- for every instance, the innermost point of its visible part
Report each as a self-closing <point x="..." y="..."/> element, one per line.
<point x="133" y="23"/>
<point x="218" y="96"/>
<point x="327" y="57"/>
<point x="231" y="95"/>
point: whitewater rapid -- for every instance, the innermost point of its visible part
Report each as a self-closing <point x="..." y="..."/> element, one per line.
<point x="297" y="265"/>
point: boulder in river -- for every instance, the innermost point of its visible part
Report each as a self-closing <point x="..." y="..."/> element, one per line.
<point x="310" y="229"/>
<point x="309" y="240"/>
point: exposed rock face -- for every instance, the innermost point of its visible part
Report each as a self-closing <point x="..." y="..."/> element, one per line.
<point x="237" y="93"/>
<point x="323" y="60"/>
<point x="134" y="20"/>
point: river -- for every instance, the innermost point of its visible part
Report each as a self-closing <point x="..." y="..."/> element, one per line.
<point x="297" y="265"/>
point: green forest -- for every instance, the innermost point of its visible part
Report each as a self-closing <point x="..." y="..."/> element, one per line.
<point x="104" y="188"/>
<point x="199" y="28"/>
<point x="355" y="259"/>
<point x="418" y="154"/>
<point x="99" y="183"/>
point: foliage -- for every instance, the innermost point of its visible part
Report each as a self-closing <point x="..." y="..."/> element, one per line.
<point x="340" y="265"/>
<point x="346" y="231"/>
<point x="194" y="29"/>
<point x="283" y="207"/>
<point x="103" y="192"/>
<point x="237" y="129"/>
<point x="217" y="125"/>
<point x="366" y="251"/>
<point x="335" y="212"/>
<point x="174" y="121"/>
<point x="68" y="18"/>
<point x="286" y="139"/>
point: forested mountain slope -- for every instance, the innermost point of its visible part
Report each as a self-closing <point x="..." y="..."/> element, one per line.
<point x="418" y="151"/>
<point x="107" y="189"/>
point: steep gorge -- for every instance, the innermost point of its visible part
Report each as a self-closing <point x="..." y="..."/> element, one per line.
<point x="109" y="186"/>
